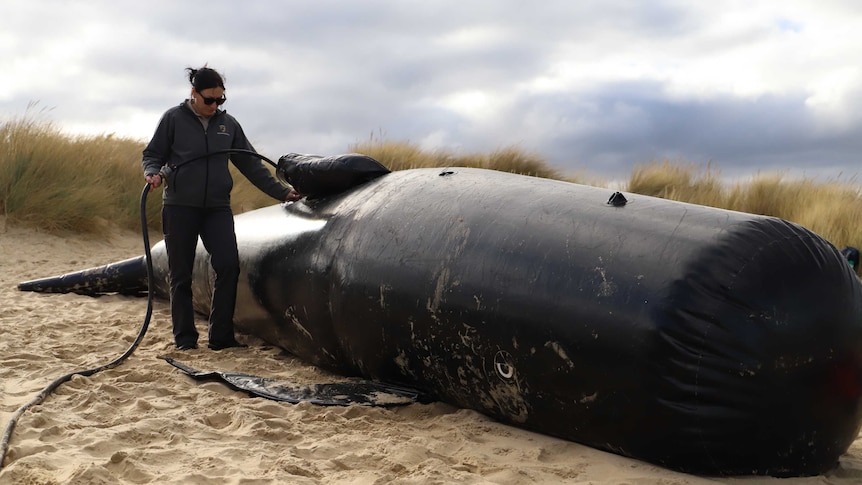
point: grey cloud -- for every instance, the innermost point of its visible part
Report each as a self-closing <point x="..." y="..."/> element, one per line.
<point x="320" y="75"/>
<point x="618" y="126"/>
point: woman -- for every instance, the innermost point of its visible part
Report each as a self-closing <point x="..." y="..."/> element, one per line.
<point x="196" y="201"/>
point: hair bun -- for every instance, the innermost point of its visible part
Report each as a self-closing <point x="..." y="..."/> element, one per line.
<point x="205" y="78"/>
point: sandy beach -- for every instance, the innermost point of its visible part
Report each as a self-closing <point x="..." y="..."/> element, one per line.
<point x="145" y="422"/>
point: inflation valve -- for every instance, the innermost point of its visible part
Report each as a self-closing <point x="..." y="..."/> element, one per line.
<point x="617" y="199"/>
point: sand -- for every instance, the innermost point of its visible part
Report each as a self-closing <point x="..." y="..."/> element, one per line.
<point x="146" y="422"/>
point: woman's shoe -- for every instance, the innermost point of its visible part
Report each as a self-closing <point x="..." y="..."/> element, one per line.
<point x="225" y="345"/>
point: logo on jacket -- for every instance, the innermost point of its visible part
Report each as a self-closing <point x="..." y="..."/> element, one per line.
<point x="222" y="130"/>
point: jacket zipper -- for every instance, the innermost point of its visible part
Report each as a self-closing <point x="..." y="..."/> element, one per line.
<point x="207" y="162"/>
<point x="216" y="115"/>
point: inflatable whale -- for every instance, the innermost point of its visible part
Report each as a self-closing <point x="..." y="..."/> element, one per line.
<point x="700" y="339"/>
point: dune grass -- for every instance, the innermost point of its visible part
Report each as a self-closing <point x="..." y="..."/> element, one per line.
<point x="60" y="183"/>
<point x="832" y="209"/>
<point x="401" y="155"/>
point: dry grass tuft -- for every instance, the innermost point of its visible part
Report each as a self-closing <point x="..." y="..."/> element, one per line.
<point x="93" y="184"/>
<point x="678" y="181"/>
<point x="831" y="209"/>
<point x="404" y="155"/>
<point x="61" y="183"/>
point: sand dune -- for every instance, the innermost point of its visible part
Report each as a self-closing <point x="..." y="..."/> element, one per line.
<point x="146" y="422"/>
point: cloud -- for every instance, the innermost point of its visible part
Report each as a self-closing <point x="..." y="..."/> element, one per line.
<point x="596" y="85"/>
<point x="637" y="122"/>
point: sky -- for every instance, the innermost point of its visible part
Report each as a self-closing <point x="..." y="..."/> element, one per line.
<point x="590" y="86"/>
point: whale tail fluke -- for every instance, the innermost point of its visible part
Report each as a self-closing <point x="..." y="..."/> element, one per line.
<point x="127" y="277"/>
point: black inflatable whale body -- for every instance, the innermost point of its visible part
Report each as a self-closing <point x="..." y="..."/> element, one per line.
<point x="700" y="339"/>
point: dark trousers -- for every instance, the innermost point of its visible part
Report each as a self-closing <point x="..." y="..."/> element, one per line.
<point x="182" y="225"/>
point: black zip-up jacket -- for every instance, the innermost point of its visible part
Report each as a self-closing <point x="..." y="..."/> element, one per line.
<point x="206" y="182"/>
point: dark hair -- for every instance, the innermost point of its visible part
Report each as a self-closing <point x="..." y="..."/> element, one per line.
<point x="205" y="78"/>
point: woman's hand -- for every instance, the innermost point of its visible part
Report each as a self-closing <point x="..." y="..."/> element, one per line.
<point x="154" y="180"/>
<point x="293" y="196"/>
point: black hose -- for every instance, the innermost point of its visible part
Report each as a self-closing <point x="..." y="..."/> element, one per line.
<point x="4" y="445"/>
<point x="221" y="152"/>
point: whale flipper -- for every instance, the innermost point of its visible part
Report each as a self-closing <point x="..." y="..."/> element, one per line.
<point x="366" y="393"/>
<point x="127" y="277"/>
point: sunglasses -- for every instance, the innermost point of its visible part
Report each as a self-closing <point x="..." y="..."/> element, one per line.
<point x="208" y="101"/>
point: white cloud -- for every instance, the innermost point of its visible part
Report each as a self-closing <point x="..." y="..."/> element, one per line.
<point x="601" y="84"/>
<point x="832" y="100"/>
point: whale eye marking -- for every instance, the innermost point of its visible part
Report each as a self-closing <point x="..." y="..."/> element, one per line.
<point x="503" y="365"/>
<point x="504" y="370"/>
